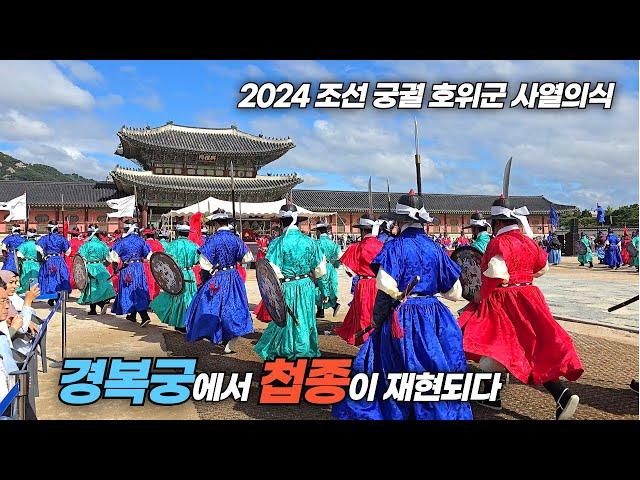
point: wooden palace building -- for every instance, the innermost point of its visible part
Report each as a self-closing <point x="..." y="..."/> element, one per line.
<point x="180" y="165"/>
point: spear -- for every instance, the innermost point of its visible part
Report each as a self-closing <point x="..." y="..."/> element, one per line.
<point x="388" y="196"/>
<point x="417" y="156"/>
<point x="370" y="199"/>
<point x="233" y="194"/>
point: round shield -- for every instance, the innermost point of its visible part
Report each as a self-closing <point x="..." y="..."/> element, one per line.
<point x="271" y="292"/>
<point x="80" y="273"/>
<point x="17" y="261"/>
<point x="167" y="273"/>
<point x="581" y="248"/>
<point x="469" y="259"/>
<point x="632" y="250"/>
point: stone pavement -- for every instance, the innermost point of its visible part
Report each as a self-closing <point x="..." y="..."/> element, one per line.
<point x="610" y="356"/>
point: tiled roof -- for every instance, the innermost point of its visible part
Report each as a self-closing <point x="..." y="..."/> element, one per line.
<point x="344" y="201"/>
<point x="223" y="142"/>
<point x="75" y="194"/>
<point x="210" y="185"/>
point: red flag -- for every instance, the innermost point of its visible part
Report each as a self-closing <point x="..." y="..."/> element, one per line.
<point x="65" y="229"/>
<point x="626" y="232"/>
<point x="195" y="229"/>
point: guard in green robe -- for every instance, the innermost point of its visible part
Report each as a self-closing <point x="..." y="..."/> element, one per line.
<point x="332" y="253"/>
<point x="479" y="226"/>
<point x="294" y="257"/>
<point x="99" y="289"/>
<point x="29" y="265"/>
<point x="163" y="236"/>
<point x="587" y="257"/>
<point x="171" y="308"/>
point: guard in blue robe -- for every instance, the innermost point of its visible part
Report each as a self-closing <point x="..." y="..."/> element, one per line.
<point x="54" y="274"/>
<point x="553" y="249"/>
<point x="612" y="256"/>
<point x="9" y="244"/>
<point x="387" y="228"/>
<point x="133" y="292"/>
<point x="599" y="244"/>
<point x="421" y="335"/>
<point x="600" y="215"/>
<point x="220" y="310"/>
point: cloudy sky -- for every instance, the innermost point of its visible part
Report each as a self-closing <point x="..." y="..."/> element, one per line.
<point x="66" y="114"/>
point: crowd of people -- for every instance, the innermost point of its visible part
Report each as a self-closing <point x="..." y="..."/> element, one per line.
<point x="397" y="330"/>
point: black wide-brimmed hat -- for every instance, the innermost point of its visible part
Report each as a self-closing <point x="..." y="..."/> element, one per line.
<point x="501" y="201"/>
<point x="410" y="208"/>
<point x="477" y="220"/>
<point x="365" y="222"/>
<point x="289" y="210"/>
<point x="321" y="225"/>
<point x="219" y="214"/>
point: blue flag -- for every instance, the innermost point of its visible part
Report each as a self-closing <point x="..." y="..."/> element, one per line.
<point x="553" y="217"/>
<point x="600" y="213"/>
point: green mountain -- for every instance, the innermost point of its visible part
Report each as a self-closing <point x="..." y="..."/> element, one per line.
<point x="13" y="169"/>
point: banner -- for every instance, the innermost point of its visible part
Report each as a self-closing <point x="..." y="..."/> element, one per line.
<point x="125" y="207"/>
<point x="17" y="208"/>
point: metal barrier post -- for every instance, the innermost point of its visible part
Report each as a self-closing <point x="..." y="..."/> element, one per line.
<point x="20" y="406"/>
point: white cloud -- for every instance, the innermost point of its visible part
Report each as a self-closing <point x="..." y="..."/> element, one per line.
<point x="128" y="68"/>
<point x="304" y="70"/>
<point x="150" y="101"/>
<point x="16" y="126"/>
<point x="39" y="85"/>
<point x="109" y="101"/>
<point x="82" y="71"/>
<point x="311" y="181"/>
<point x="254" y="71"/>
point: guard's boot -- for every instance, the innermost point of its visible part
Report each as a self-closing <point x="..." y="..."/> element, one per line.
<point x="634" y="385"/>
<point x="92" y="310"/>
<point x="230" y="346"/>
<point x="320" y="313"/>
<point x="144" y="316"/>
<point x="335" y="309"/>
<point x="566" y="405"/>
<point x="590" y="264"/>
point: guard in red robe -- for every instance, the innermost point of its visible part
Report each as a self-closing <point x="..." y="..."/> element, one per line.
<point x="263" y="244"/>
<point x="155" y="246"/>
<point x="510" y="325"/>
<point x="627" y="259"/>
<point x="357" y="259"/>
<point x="115" y="280"/>
<point x="76" y="243"/>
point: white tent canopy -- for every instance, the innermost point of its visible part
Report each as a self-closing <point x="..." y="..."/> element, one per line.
<point x="248" y="210"/>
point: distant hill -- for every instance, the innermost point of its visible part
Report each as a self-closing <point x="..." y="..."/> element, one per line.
<point x="13" y="169"/>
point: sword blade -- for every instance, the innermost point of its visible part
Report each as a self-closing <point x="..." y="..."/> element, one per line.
<point x="505" y="178"/>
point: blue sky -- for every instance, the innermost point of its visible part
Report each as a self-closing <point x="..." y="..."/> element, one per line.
<point x="66" y="114"/>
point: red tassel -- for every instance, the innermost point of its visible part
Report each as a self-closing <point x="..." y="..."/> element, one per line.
<point x="128" y="278"/>
<point x="396" y="328"/>
<point x="195" y="229"/>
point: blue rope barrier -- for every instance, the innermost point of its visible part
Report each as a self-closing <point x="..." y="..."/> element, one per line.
<point x="9" y="397"/>
<point x="41" y="332"/>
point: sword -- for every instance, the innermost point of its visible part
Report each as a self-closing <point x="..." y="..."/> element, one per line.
<point x="398" y="302"/>
<point x="505" y="178"/>
<point x="623" y="304"/>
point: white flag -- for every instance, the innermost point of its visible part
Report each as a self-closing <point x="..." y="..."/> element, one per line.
<point x="17" y="208"/>
<point x="125" y="207"/>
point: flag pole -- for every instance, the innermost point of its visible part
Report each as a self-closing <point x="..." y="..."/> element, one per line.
<point x="26" y="217"/>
